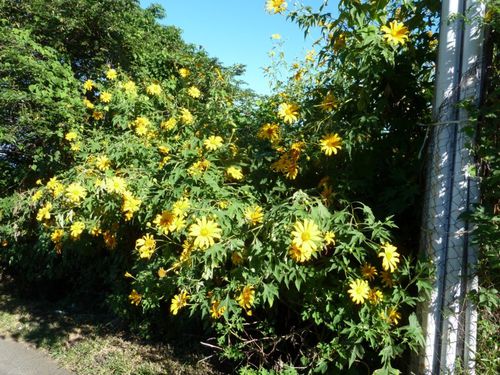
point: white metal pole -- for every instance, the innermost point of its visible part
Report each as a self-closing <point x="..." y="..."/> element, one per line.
<point x="449" y="319"/>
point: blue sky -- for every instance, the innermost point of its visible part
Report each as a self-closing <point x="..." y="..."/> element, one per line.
<point x="235" y="31"/>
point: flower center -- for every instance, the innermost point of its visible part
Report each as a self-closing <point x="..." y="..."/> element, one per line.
<point x="204" y="232"/>
<point x="306" y="236"/>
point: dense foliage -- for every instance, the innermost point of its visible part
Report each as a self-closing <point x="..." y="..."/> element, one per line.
<point x="134" y="167"/>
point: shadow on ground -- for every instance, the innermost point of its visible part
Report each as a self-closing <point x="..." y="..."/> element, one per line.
<point x="69" y="334"/>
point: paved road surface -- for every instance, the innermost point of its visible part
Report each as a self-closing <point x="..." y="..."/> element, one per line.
<point x="18" y="359"/>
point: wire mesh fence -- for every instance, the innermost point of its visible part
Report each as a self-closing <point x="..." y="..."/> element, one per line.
<point x="449" y="318"/>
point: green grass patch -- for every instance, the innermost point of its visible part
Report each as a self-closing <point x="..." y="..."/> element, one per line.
<point x="92" y="343"/>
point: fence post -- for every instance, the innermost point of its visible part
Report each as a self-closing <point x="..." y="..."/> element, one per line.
<point x="449" y="318"/>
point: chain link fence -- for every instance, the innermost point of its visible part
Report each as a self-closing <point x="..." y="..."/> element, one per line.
<point x="449" y="319"/>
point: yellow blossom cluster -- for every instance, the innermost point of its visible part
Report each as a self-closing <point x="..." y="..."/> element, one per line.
<point x="167" y="222"/>
<point x="199" y="167"/>
<point x="288" y="164"/>
<point x="360" y="290"/>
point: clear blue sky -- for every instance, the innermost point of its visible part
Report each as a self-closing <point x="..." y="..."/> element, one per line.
<point x="236" y="32"/>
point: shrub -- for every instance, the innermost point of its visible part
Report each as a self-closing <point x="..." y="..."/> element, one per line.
<point x="242" y="212"/>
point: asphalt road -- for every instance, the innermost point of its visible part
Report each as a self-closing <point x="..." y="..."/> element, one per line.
<point x="18" y="359"/>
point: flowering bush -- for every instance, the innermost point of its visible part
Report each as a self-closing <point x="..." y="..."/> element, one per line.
<point x="244" y="215"/>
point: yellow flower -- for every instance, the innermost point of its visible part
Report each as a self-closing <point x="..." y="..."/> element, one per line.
<point x="75" y="192"/>
<point x="396" y="33"/>
<point x="223" y="204"/>
<point x="130" y="205"/>
<point x="368" y="271"/>
<point x="187" y="117"/>
<point x="97" y="115"/>
<point x="329" y="103"/>
<point x="327" y="195"/>
<point x="297" y="147"/>
<point x="287" y="164"/>
<point x="276" y="6"/>
<point x="390" y="257"/>
<point x="169" y="124"/>
<point x="109" y="239"/>
<point x="339" y="42"/>
<point x="204" y="232"/>
<point x="88" y="85"/>
<point x="95" y="231"/>
<point x="183" y="72"/>
<point x="236" y="258"/>
<point x="329" y="238"/>
<point x="106" y="97"/>
<point x="75" y="146"/>
<point x="135" y="298"/>
<point x="386" y="278"/>
<point x="163" y="221"/>
<point x="164" y="150"/>
<point x="180" y="207"/>
<point x="88" y="104"/>
<point x="57" y="235"/>
<point x="306" y="236"/>
<point x="212" y="143"/>
<point x="330" y="144"/>
<point x="130" y="87"/>
<point x="141" y="125"/>
<point x="36" y="196"/>
<point x="375" y="296"/>
<point x="298" y="75"/>
<point x="254" y="215"/>
<point x="102" y="163"/>
<point x="146" y="246"/>
<point x="44" y="212"/>
<point x="246" y="298"/>
<point x="187" y="248"/>
<point x="178" y="302"/>
<point x="154" y="89"/>
<point x="300" y="254"/>
<point x="162" y="272"/>
<point x="55" y="186"/>
<point x="128" y="275"/>
<point x="234" y="173"/>
<point x="393" y="317"/>
<point x="194" y="92"/>
<point x="177" y="224"/>
<point x="216" y="311"/>
<point x="289" y="113"/>
<point x="310" y="55"/>
<point x="116" y="184"/>
<point x="76" y="229"/>
<point x="71" y="136"/>
<point x="359" y="291"/>
<point x="234" y="149"/>
<point x="199" y="167"/>
<point x="111" y="74"/>
<point x="270" y="132"/>
<point x="276" y="36"/>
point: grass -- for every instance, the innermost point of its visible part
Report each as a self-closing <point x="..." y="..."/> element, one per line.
<point x="91" y="343"/>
